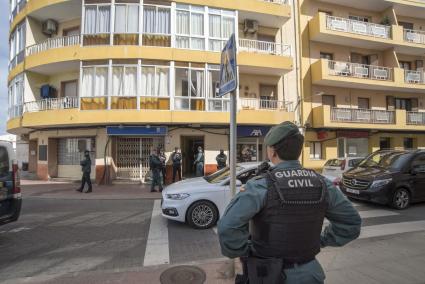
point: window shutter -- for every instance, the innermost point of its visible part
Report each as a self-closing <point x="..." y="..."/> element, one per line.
<point x="390" y="103"/>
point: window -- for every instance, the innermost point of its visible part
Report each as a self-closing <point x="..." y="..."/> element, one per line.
<point x="95" y="81"/>
<point x="127" y="19"/>
<point x="363" y="103"/>
<point x="190" y="91"/>
<point x="69" y="89"/>
<point x="328" y="100"/>
<point x="190" y="27"/>
<point x="156" y="20"/>
<point x="246" y="152"/>
<point x="17" y="45"/>
<point x="408" y="143"/>
<point x="71" y="152"/>
<point x="124" y="81"/>
<point x="97" y="19"/>
<point x="405" y="25"/>
<point x="419" y="164"/>
<point x="405" y="65"/>
<point x="71" y="31"/>
<point x="221" y="27"/>
<point x="405" y="104"/>
<point x="155" y="81"/>
<point x="4" y="162"/>
<point x="315" y="150"/>
<point x="384" y="143"/>
<point x="359" y="18"/>
<point x="328" y="56"/>
<point x="215" y="103"/>
<point x="16" y="96"/>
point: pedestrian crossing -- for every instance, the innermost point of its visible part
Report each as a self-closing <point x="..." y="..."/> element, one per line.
<point x="377" y="221"/>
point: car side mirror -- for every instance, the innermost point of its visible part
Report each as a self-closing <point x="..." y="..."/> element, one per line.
<point x="238" y="183"/>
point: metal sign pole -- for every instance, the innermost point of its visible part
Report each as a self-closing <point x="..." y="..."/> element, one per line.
<point x="233" y="140"/>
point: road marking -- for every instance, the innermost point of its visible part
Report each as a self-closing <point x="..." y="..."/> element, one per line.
<point x="157" y="249"/>
<point x="215" y="229"/>
<point x="372" y="214"/>
<point x="391" y="229"/>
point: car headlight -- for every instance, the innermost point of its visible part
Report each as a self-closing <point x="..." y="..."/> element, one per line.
<point x="178" y="196"/>
<point x="380" y="182"/>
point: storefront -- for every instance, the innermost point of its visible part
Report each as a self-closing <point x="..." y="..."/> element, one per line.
<point x="353" y="143"/>
<point x="250" y="143"/>
<point x="131" y="148"/>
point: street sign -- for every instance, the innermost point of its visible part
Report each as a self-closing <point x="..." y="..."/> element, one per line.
<point x="228" y="68"/>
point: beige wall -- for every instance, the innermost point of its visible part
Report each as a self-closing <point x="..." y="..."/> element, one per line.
<point x="418" y="24"/>
<point x="251" y="85"/>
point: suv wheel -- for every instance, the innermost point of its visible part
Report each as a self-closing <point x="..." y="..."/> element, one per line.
<point x="401" y="199"/>
<point x="202" y="215"/>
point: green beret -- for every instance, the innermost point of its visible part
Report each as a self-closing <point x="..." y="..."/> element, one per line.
<point x="279" y="132"/>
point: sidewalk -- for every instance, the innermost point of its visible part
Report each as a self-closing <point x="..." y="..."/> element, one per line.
<point x="67" y="190"/>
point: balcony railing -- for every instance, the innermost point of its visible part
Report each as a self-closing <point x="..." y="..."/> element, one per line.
<point x="414" y="36"/>
<point x="357" y="27"/>
<point x="415" y="118"/>
<point x="51" y="43"/>
<point x="362" y="116"/>
<point x="264" y="47"/>
<point x="51" y="104"/>
<point x="15" y="111"/>
<point x="281" y="2"/>
<point x="363" y="71"/>
<point x="414" y="77"/>
<point x="259" y="104"/>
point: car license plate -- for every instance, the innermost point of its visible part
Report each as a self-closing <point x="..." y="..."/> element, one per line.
<point x="354" y="191"/>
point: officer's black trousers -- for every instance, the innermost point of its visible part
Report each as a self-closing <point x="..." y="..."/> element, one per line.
<point x="86" y="179"/>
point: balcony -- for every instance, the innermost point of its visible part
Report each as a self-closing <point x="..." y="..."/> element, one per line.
<point x="414" y="36"/>
<point x="414" y="77"/>
<point x="51" y="104"/>
<point x="259" y="104"/>
<point x="53" y="43"/>
<point x="368" y="119"/>
<point x="348" y="32"/>
<point x="355" y="70"/>
<point x="264" y="47"/>
<point x="362" y="116"/>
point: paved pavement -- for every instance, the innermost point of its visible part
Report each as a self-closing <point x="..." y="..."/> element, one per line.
<point x="106" y="240"/>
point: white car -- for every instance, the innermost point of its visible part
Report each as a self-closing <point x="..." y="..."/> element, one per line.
<point x="334" y="168"/>
<point x="201" y="201"/>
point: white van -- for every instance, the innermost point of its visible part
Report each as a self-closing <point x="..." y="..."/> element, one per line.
<point x="10" y="187"/>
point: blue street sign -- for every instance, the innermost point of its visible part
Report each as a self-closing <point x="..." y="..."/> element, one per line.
<point x="228" y="68"/>
<point x="136" y="130"/>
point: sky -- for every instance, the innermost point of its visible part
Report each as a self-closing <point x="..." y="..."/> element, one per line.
<point x="4" y="55"/>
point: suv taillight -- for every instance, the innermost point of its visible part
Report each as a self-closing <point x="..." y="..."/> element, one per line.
<point x="16" y="179"/>
<point x="343" y="163"/>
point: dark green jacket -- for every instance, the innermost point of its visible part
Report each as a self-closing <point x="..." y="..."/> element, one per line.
<point x="86" y="165"/>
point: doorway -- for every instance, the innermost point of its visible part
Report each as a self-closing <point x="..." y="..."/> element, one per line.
<point x="189" y="146"/>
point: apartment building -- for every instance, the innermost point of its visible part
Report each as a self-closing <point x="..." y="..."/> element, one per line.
<point x="122" y="77"/>
<point x="362" y="72"/>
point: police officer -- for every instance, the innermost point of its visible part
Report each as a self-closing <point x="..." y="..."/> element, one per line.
<point x="199" y="162"/>
<point x="86" y="169"/>
<point x="221" y="160"/>
<point x="155" y="165"/>
<point x="285" y="207"/>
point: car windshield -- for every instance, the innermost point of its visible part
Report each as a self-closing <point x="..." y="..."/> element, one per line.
<point x="221" y="175"/>
<point x="4" y="162"/>
<point x="354" y="162"/>
<point x="391" y="160"/>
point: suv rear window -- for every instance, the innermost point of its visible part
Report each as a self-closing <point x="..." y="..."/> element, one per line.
<point x="333" y="163"/>
<point x="4" y="162"/>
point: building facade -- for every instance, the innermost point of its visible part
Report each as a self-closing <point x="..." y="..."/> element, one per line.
<point x="122" y="77"/>
<point x="362" y="72"/>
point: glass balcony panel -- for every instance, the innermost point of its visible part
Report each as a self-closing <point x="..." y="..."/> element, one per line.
<point x="94" y="103"/>
<point x="123" y="103"/>
<point x="155" y="103"/>
<point x="126" y="39"/>
<point x="97" y="39"/>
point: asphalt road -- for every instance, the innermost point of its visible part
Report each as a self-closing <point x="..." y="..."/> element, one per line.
<point x="57" y="237"/>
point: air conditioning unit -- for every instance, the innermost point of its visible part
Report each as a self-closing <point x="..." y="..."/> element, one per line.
<point x="50" y="27"/>
<point x="250" y="26"/>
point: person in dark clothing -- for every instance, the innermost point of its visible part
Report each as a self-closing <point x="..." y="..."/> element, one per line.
<point x="155" y="165"/>
<point x="86" y="169"/>
<point x="177" y="164"/>
<point x="163" y="159"/>
<point x="199" y="162"/>
<point x="221" y="160"/>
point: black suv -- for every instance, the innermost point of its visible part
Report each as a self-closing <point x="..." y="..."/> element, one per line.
<point x="392" y="177"/>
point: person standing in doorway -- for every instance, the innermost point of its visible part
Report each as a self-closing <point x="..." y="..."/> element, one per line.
<point x="177" y="163"/>
<point x="163" y="159"/>
<point x="86" y="169"/>
<point x="199" y="162"/>
<point x="221" y="160"/>
<point x="155" y="167"/>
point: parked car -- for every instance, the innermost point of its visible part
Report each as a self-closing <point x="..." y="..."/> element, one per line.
<point x="201" y="201"/>
<point x="392" y="177"/>
<point x="10" y="191"/>
<point x="334" y="168"/>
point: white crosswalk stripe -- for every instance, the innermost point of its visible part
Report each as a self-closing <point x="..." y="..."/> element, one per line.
<point x="391" y="229"/>
<point x="157" y="248"/>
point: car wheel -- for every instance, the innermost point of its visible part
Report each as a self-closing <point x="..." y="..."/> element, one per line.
<point x="202" y="215"/>
<point x="401" y="199"/>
